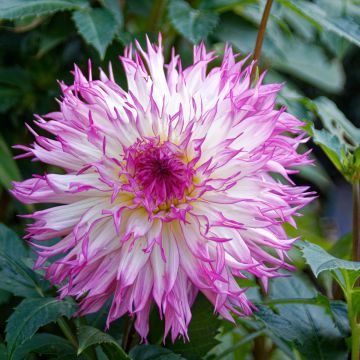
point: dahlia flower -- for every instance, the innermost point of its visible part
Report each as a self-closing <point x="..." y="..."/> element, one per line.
<point x="167" y="188"/>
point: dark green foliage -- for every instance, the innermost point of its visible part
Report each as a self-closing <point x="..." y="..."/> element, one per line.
<point x="32" y="314"/>
<point x="203" y="329"/>
<point x="89" y="336"/>
<point x="45" y="344"/>
<point x="153" y="352"/>
<point x="312" y="47"/>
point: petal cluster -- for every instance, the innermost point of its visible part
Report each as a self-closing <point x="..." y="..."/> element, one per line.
<point x="167" y="188"/>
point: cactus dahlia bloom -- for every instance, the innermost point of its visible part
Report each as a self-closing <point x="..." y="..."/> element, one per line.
<point x="166" y="189"/>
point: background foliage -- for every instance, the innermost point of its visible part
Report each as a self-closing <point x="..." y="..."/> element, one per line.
<point x="311" y="46"/>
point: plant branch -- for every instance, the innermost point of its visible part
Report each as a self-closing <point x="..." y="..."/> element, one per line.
<point x="356" y="222"/>
<point x="67" y="332"/>
<point x="243" y="341"/>
<point x="156" y="14"/>
<point x="262" y="29"/>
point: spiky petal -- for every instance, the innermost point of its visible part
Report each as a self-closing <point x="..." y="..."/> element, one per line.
<point x="167" y="188"/>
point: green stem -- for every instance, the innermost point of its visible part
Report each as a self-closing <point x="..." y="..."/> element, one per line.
<point x="309" y="301"/>
<point x="67" y="332"/>
<point x="355" y="342"/>
<point x="353" y="316"/>
<point x="243" y="341"/>
<point x="355" y="327"/>
<point x="63" y="325"/>
<point x="356" y="222"/>
<point x="156" y="14"/>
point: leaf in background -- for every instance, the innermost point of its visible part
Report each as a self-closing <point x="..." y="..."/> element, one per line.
<point x="331" y="146"/>
<point x="194" y="24"/>
<point x="45" y="344"/>
<point x="115" y="9"/>
<point x="280" y="326"/>
<point x="317" y="337"/>
<point x="11" y="244"/>
<point x="4" y="296"/>
<point x="309" y="226"/>
<point x="203" y="328"/>
<point x="339" y="138"/>
<point x="30" y="315"/>
<point x="317" y="175"/>
<point x="97" y="27"/>
<point x="153" y="352"/>
<point x="15" y="9"/>
<point x="15" y="276"/>
<point x="9" y="98"/>
<point x="319" y="260"/>
<point x="337" y="123"/>
<point x="343" y="26"/>
<point x="8" y="168"/>
<point x="288" y="54"/>
<point x="339" y="313"/>
<point x="343" y="247"/>
<point x="15" y="82"/>
<point x="89" y="336"/>
<point x="3" y="352"/>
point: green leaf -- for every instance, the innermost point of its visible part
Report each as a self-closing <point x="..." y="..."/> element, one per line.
<point x="342" y="248"/>
<point x="15" y="82"/>
<point x="46" y="344"/>
<point x="9" y="98"/>
<point x="3" y="352"/>
<point x="115" y="9"/>
<point x="355" y="294"/>
<point x="331" y="146"/>
<point x="309" y="226"/>
<point x="339" y="313"/>
<point x="153" y="352"/>
<point x="280" y="326"/>
<point x="4" y="296"/>
<point x="97" y="27"/>
<point x="317" y="337"/>
<point x="203" y="328"/>
<point x="343" y="26"/>
<point x="16" y="9"/>
<point x="30" y="315"/>
<point x="194" y="24"/>
<point x="15" y="276"/>
<point x="11" y="244"/>
<point x="8" y="169"/>
<point x="337" y="123"/>
<point x="89" y="336"/>
<point x="319" y="260"/>
<point x="288" y="54"/>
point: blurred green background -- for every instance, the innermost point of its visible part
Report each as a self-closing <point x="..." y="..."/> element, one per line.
<point x="310" y="46"/>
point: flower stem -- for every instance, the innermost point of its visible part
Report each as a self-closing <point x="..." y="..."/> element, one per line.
<point x="353" y="316"/>
<point x="156" y="14"/>
<point x="67" y="332"/>
<point x="356" y="222"/>
<point x="262" y="28"/>
<point x="240" y="343"/>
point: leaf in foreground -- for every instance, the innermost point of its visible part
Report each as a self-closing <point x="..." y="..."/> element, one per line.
<point x="194" y="24"/>
<point x="317" y="336"/>
<point x="203" y="328"/>
<point x="319" y="260"/>
<point x="30" y="315"/>
<point x="153" y="352"/>
<point x="97" y="27"/>
<point x="45" y="344"/>
<point x="16" y="9"/>
<point x="89" y="336"/>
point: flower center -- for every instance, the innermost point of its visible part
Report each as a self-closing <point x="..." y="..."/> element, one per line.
<point x="160" y="171"/>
